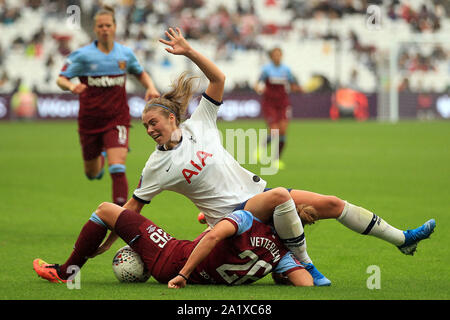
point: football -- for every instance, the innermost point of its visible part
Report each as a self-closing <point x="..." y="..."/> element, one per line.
<point x="129" y="267"/>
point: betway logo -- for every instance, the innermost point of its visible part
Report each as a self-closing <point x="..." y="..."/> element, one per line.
<point x="106" y="81"/>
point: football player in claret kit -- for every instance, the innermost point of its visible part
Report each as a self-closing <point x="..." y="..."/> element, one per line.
<point x="238" y="250"/>
<point x="104" y="116"/>
<point x="272" y="83"/>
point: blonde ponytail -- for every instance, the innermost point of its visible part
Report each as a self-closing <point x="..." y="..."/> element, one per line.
<point x="175" y="101"/>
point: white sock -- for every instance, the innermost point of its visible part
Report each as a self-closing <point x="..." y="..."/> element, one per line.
<point x="365" y="222"/>
<point x="290" y="229"/>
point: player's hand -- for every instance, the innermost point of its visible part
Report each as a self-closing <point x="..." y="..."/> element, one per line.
<point x="102" y="249"/>
<point x="151" y="93"/>
<point x="259" y="89"/>
<point x="178" y="44"/>
<point x="296" y="88"/>
<point x="78" y="88"/>
<point x="177" y="282"/>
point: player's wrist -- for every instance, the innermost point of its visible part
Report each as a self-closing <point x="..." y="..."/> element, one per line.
<point x="191" y="53"/>
<point x="183" y="276"/>
<point x="72" y="87"/>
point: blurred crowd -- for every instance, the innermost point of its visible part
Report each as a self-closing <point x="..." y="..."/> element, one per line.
<point x="230" y="25"/>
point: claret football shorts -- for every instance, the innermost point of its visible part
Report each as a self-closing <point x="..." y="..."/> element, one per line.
<point x="92" y="145"/>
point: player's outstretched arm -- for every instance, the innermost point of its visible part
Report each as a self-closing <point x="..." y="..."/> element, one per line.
<point x="178" y="45"/>
<point x="221" y="231"/>
<point x="295" y="87"/>
<point x="259" y="87"/>
<point x="147" y="82"/>
<point x="66" y="85"/>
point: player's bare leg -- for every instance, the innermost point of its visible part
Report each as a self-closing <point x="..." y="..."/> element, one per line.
<point x="117" y="155"/>
<point x="299" y="278"/>
<point x="94" y="168"/>
<point x="280" y="127"/>
<point x="327" y="207"/>
<point x="283" y="124"/>
<point x="109" y="213"/>
<point x="86" y="245"/>
<point x="117" y="168"/>
<point x="278" y="204"/>
<point x="262" y="205"/>
<point x="363" y="221"/>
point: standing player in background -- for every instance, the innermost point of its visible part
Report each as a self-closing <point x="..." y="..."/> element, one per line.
<point x="104" y="116"/>
<point x="272" y="83"/>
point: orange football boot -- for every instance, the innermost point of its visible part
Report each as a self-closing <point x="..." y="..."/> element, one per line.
<point x="47" y="271"/>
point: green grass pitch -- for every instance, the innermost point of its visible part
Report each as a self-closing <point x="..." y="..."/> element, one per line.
<point x="401" y="172"/>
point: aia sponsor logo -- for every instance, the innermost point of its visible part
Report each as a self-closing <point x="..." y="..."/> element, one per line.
<point x="195" y="168"/>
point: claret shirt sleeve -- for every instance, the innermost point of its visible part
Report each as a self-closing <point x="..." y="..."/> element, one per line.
<point x="134" y="67"/>
<point x="264" y="74"/>
<point x="74" y="65"/>
<point x="290" y="75"/>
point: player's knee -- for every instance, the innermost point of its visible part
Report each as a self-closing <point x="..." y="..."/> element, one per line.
<point x="92" y="174"/>
<point x="333" y="205"/>
<point x="104" y="209"/>
<point x="279" y="195"/>
<point x="89" y="176"/>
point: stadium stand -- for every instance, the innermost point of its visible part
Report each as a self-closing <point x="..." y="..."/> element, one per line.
<point x="331" y="39"/>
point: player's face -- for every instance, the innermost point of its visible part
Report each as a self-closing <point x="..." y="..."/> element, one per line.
<point x="276" y="56"/>
<point x="159" y="127"/>
<point x="105" y="28"/>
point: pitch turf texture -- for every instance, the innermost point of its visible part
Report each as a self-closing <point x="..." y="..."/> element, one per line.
<point x="401" y="172"/>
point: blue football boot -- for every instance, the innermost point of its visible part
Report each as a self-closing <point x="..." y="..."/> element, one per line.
<point x="319" y="279"/>
<point x="412" y="237"/>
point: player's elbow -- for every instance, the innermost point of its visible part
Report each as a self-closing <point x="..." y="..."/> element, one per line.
<point x="58" y="81"/>
<point x="219" y="79"/>
<point x="222" y="78"/>
<point x="213" y="238"/>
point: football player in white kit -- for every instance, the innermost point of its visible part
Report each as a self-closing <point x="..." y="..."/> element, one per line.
<point x="191" y="160"/>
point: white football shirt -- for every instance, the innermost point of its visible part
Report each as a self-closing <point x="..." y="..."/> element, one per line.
<point x="200" y="168"/>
